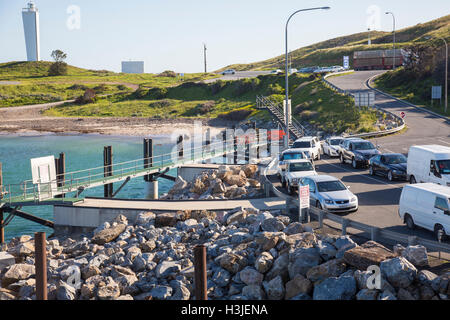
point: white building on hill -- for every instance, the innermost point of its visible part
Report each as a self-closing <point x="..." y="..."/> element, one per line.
<point x="30" y="17"/>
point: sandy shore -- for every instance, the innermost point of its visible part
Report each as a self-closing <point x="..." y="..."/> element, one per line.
<point x="29" y="120"/>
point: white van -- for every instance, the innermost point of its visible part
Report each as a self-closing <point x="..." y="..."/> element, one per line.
<point x="430" y="163"/>
<point x="426" y="205"/>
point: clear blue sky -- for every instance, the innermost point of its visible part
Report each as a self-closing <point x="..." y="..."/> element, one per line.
<point x="168" y="34"/>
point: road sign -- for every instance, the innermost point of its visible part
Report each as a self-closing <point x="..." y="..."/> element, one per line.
<point x="303" y="196"/>
<point x="346" y="63"/>
<point x="364" y="98"/>
<point x="402" y="114"/>
<point x="436" y="92"/>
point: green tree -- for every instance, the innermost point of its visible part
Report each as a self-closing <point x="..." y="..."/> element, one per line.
<point x="59" y="67"/>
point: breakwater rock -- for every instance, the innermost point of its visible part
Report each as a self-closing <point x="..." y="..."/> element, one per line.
<point x="250" y="255"/>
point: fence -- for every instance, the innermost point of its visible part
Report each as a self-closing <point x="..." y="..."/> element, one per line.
<point x="376" y="233"/>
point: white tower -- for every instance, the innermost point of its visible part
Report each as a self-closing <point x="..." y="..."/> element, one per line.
<point x="30" y="16"/>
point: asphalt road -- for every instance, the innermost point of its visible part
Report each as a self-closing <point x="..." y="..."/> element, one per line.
<point x="239" y="75"/>
<point x="378" y="198"/>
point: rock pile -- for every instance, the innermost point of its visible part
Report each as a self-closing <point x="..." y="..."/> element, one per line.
<point x="224" y="183"/>
<point x="251" y="255"/>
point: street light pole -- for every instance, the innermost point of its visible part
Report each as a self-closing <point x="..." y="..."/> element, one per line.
<point x="393" y="18"/>
<point x="287" y="114"/>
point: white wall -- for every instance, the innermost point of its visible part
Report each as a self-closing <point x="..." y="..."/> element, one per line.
<point x="133" y="66"/>
<point x="31" y="31"/>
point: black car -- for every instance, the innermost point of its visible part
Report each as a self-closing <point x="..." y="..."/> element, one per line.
<point x="357" y="152"/>
<point x="390" y="165"/>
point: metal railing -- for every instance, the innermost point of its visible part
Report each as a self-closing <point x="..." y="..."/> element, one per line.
<point x="376" y="233"/>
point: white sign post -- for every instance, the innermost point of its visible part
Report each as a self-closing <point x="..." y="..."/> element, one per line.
<point x="436" y="93"/>
<point x="303" y="198"/>
<point x="346" y="63"/>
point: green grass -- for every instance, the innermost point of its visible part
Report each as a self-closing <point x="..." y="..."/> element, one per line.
<point x="330" y="52"/>
<point x="312" y="101"/>
<point x="330" y="111"/>
<point x="403" y="85"/>
<point x="42" y="93"/>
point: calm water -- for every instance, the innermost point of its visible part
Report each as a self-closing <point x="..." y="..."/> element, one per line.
<point x="82" y="152"/>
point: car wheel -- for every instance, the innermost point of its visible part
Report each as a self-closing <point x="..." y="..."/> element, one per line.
<point x="354" y="163"/>
<point x="390" y="176"/>
<point x="436" y="232"/>
<point x="371" y="171"/>
<point x="409" y="222"/>
<point x="412" y="180"/>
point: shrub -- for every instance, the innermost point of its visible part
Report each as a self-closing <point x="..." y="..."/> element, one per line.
<point x="57" y="69"/>
<point x="246" y="85"/>
<point x="237" y="115"/>
<point x="88" y="97"/>
<point x="122" y="87"/>
<point x="157" y="93"/>
<point x="167" y="73"/>
<point x="218" y="86"/>
<point x="77" y="87"/>
<point x="275" y="88"/>
<point x="100" y="88"/>
<point x="160" y="104"/>
<point x="141" y="93"/>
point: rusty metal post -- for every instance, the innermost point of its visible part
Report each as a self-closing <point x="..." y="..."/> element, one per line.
<point x="235" y="146"/>
<point x="148" y="157"/>
<point x="60" y="166"/>
<point x="41" y="265"/>
<point x="180" y="148"/>
<point x="200" y="281"/>
<point x="108" y="171"/>
<point x="2" y="228"/>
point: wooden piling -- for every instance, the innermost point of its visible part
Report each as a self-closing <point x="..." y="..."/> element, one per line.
<point x="180" y="147"/>
<point x="41" y="265"/>
<point x="200" y="280"/>
<point x="108" y="170"/>
<point x="148" y="157"/>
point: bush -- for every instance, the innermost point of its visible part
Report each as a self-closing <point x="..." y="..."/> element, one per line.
<point x="100" y="88"/>
<point x="157" y="93"/>
<point x="275" y="88"/>
<point x="237" y="115"/>
<point x="122" y="87"/>
<point x="218" y="86"/>
<point x="141" y="93"/>
<point x="88" y="97"/>
<point x="57" y="69"/>
<point x="245" y="85"/>
<point x="167" y="73"/>
<point x="77" y="87"/>
<point x="160" y="104"/>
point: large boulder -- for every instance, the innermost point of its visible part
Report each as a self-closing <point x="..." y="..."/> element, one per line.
<point x="342" y="288"/>
<point x="179" y="185"/>
<point x="370" y="253"/>
<point x="399" y="272"/>
<point x="168" y="219"/>
<point x="279" y="268"/>
<point x="250" y="276"/>
<point x="331" y="268"/>
<point x="108" y="235"/>
<point x="165" y="268"/>
<point x="232" y="262"/>
<point x="417" y="255"/>
<point x="272" y="225"/>
<point x="274" y="288"/>
<point x="17" y="272"/>
<point x="298" y="285"/>
<point x="303" y="259"/>
<point x="110" y="290"/>
<point x="367" y="294"/>
<point x="250" y="170"/>
<point x="6" y="260"/>
<point x="264" y="262"/>
<point x="253" y="292"/>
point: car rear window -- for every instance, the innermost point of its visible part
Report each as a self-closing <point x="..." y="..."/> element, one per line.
<point x="302" y="144"/>
<point x="292" y="156"/>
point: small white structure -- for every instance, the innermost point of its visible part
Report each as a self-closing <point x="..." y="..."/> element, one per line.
<point x="43" y="172"/>
<point x="30" y="17"/>
<point x="133" y="66"/>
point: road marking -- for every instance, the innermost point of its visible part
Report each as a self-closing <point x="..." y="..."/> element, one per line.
<point x="443" y="141"/>
<point x="365" y="176"/>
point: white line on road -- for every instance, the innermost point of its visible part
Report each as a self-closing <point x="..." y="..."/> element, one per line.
<point x="363" y="175"/>
<point x="443" y="141"/>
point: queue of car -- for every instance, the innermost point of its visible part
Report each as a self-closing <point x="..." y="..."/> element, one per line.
<point x="425" y="202"/>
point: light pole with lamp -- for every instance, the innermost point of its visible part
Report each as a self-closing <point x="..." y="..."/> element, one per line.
<point x="288" y="112"/>
<point x="393" y="61"/>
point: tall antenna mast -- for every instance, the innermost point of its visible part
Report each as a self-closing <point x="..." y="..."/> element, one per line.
<point x="204" y="56"/>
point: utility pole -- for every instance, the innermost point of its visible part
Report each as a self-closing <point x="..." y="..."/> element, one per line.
<point x="204" y="56"/>
<point x="393" y="42"/>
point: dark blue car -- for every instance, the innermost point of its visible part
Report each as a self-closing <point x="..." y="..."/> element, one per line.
<point x="390" y="165"/>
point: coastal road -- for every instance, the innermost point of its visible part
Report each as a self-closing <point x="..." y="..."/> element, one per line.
<point x="238" y="75"/>
<point x="378" y="198"/>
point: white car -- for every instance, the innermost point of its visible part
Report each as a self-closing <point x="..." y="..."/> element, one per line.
<point x="287" y="155"/>
<point x="276" y="71"/>
<point x="292" y="70"/>
<point x="426" y="205"/>
<point x="295" y="170"/>
<point x="331" y="146"/>
<point x="309" y="145"/>
<point x="330" y="194"/>
<point x="429" y="163"/>
<point x="229" y="71"/>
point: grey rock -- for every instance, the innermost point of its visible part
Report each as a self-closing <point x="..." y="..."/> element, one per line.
<point x="264" y="262"/>
<point x="165" y="268"/>
<point x="253" y="292"/>
<point x="221" y="277"/>
<point x="342" y="288"/>
<point x="399" y="272"/>
<point x="326" y="250"/>
<point x="272" y="225"/>
<point x="303" y="259"/>
<point x="367" y="294"/>
<point x="274" y="288"/>
<point x="250" y="276"/>
<point x="161" y="292"/>
<point x="417" y="255"/>
<point x="301" y="296"/>
<point x="65" y="291"/>
<point x="279" y="267"/>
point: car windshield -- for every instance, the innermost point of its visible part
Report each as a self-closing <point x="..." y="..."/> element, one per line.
<point x="328" y="186"/>
<point x="395" y="159"/>
<point x="444" y="166"/>
<point x="335" y="142"/>
<point x="363" y="145"/>
<point x="302" y="144"/>
<point x="292" y="156"/>
<point x="301" y="166"/>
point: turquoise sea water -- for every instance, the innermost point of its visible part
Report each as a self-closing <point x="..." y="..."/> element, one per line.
<point x="82" y="152"/>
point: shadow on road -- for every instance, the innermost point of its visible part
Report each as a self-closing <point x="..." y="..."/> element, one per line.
<point x="383" y="197"/>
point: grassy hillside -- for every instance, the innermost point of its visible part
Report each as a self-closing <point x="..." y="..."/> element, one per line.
<point x="232" y="100"/>
<point x="32" y="85"/>
<point x="330" y="52"/>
